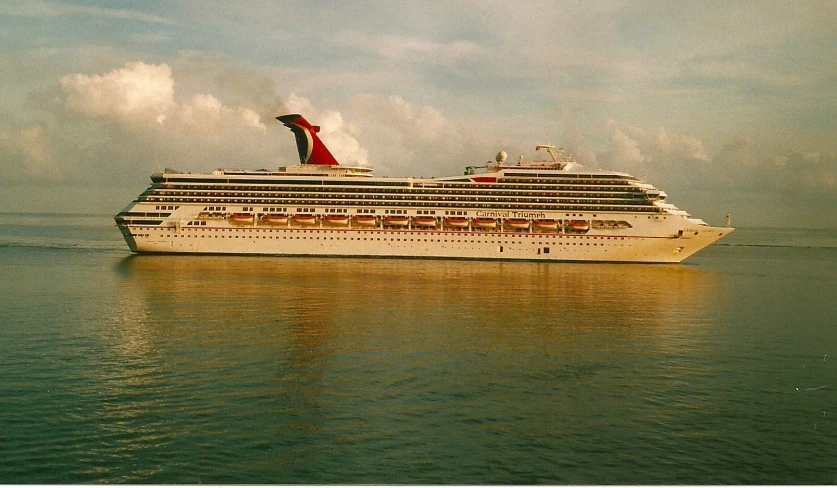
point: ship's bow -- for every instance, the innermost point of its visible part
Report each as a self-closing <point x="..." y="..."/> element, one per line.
<point x="700" y="238"/>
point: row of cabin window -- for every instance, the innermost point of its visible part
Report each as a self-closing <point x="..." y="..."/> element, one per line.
<point x="599" y="185"/>
<point x="625" y="195"/>
<point x="350" y="201"/>
<point x="601" y="207"/>
<point x="636" y="199"/>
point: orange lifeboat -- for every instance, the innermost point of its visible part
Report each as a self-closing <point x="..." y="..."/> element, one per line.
<point x="396" y="220"/>
<point x="275" y="219"/>
<point x="365" y="220"/>
<point x="460" y="222"/>
<point x="337" y="219"/>
<point x="305" y="219"/>
<point x="425" y="221"/>
<point x="518" y="223"/>
<point x="580" y="225"/>
<point x="242" y="218"/>
<point x="485" y="223"/>
<point x="548" y="224"/>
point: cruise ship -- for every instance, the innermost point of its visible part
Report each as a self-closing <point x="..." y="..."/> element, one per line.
<point x="552" y="209"/>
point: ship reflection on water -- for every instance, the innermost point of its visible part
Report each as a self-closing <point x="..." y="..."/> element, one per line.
<point x="364" y="303"/>
<point x="354" y="356"/>
<point x="335" y="297"/>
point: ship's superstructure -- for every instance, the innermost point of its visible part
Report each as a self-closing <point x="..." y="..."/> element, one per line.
<point x="552" y="210"/>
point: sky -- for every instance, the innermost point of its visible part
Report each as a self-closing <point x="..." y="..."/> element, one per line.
<point x="730" y="107"/>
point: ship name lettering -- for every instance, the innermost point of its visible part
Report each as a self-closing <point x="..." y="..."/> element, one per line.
<point x="493" y="215"/>
<point x="528" y="215"/>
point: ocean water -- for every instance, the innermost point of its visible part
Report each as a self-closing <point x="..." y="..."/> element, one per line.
<point x="209" y="369"/>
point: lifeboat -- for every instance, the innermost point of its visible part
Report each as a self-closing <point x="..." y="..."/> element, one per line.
<point x="396" y="220"/>
<point x="518" y="223"/>
<point x="579" y="225"/>
<point x="275" y="219"/>
<point x="242" y="218"/>
<point x="305" y="219"/>
<point x="548" y="224"/>
<point x="337" y="219"/>
<point x="485" y="223"/>
<point x="460" y="222"/>
<point x="425" y="221"/>
<point x="365" y="220"/>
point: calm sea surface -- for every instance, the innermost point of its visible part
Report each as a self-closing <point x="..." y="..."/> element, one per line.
<point x="186" y="369"/>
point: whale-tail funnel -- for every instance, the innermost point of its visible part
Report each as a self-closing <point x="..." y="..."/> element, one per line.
<point x="311" y="148"/>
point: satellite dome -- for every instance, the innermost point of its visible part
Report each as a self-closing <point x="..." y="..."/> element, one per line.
<point x="501" y="156"/>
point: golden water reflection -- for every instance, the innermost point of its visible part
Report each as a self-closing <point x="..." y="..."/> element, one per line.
<point x="309" y="355"/>
<point x="315" y="300"/>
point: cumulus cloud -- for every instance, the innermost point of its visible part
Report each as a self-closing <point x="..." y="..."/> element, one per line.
<point x="678" y="146"/>
<point x="426" y="123"/>
<point x="208" y="115"/>
<point x="137" y="90"/>
<point x="624" y="150"/>
<point x="133" y="120"/>
<point x="114" y="127"/>
<point x="141" y="93"/>
<point x="407" y="140"/>
<point x="635" y="149"/>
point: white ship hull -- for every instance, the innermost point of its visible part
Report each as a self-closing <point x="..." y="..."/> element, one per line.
<point x="661" y="246"/>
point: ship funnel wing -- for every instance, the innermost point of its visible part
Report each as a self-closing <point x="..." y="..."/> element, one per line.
<point x="311" y="148"/>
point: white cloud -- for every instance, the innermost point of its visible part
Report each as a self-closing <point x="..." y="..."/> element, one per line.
<point x="137" y="90"/>
<point x="678" y="146"/>
<point x="300" y="105"/>
<point x="623" y="150"/>
<point x="404" y="139"/>
<point x="129" y="122"/>
<point x="632" y="148"/>
<point x="141" y="95"/>
<point x="426" y="123"/>
<point x="208" y="115"/>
